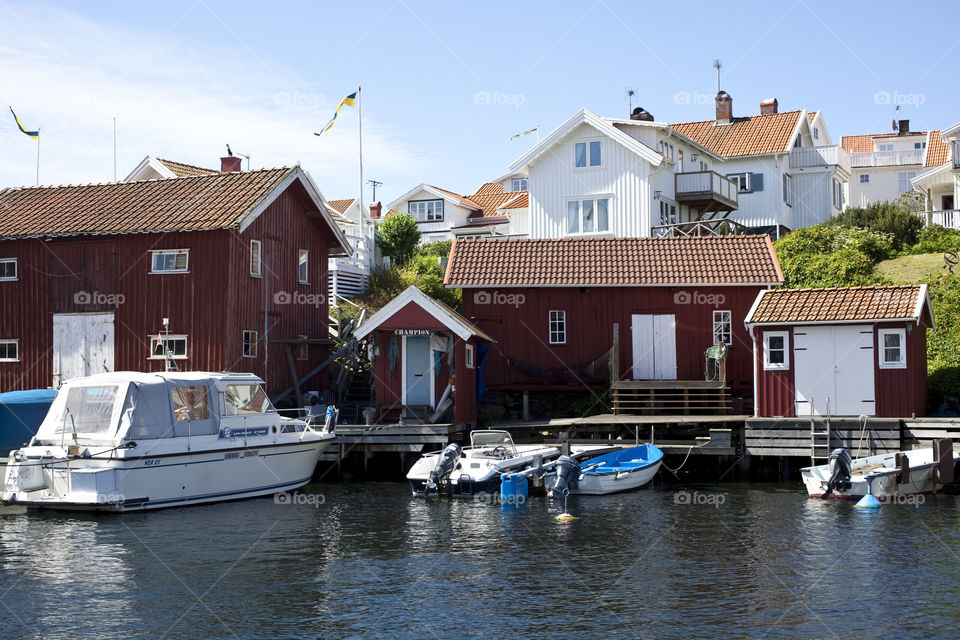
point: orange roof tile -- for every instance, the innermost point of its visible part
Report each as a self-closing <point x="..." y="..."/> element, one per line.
<point x="754" y="135"/>
<point x="339" y="207"/>
<point x="593" y="262"/>
<point x="522" y="201"/>
<point x="182" y="170"/>
<point x="837" y="304"/>
<point x="864" y="143"/>
<point x="465" y="201"/>
<point x="201" y="203"/>
<point x="938" y="151"/>
<point x="811" y="115"/>
<point x="490" y="187"/>
<point x="490" y="203"/>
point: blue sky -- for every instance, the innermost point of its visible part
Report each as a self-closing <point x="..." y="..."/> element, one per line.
<point x="185" y="77"/>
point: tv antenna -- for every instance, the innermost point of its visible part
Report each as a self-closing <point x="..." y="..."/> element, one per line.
<point x="375" y="183"/>
<point x="242" y="155"/>
<point x="630" y="94"/>
<point x="716" y="65"/>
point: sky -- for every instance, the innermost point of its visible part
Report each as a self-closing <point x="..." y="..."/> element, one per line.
<point x="444" y="85"/>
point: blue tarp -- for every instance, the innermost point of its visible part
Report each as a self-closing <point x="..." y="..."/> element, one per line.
<point x="481" y="358"/>
<point x="21" y="413"/>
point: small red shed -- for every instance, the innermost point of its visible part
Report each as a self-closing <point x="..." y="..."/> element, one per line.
<point x="425" y="359"/>
<point x="844" y="351"/>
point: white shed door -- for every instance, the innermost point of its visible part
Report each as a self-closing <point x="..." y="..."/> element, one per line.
<point x="654" y="347"/>
<point x="834" y="364"/>
<point x="82" y="345"/>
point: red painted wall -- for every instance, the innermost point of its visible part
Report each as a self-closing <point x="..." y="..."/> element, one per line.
<point x="520" y="327"/>
<point x="775" y="394"/>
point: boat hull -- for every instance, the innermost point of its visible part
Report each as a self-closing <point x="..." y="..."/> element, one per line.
<point x="874" y="475"/>
<point x="607" y="483"/>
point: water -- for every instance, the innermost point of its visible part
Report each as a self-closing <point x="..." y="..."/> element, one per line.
<point x="369" y="560"/>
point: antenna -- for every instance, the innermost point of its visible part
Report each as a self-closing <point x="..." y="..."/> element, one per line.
<point x="630" y="93"/>
<point x="243" y="155"/>
<point x="229" y="153"/>
<point x="375" y="183"/>
<point x="716" y="65"/>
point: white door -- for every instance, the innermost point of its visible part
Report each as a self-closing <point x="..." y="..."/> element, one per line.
<point x="82" y="345"/>
<point x="654" y="347"/>
<point x="835" y="365"/>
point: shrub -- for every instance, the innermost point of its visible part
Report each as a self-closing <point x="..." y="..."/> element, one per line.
<point x="943" y="343"/>
<point x="438" y="249"/>
<point x="893" y="218"/>
<point x="830" y="255"/>
<point x="397" y="237"/>
<point x="936" y="239"/>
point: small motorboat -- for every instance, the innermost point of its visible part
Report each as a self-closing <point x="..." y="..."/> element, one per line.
<point x="612" y="472"/>
<point x="886" y="476"/>
<point x="131" y="441"/>
<point x="466" y="471"/>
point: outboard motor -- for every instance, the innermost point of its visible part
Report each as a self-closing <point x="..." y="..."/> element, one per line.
<point x="839" y="472"/>
<point x="446" y="462"/>
<point x="568" y="471"/>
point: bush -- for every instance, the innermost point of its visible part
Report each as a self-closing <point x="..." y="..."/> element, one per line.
<point x="830" y="255"/>
<point x="893" y="218"/>
<point x="936" y="239"/>
<point x="437" y="249"/>
<point x="397" y="237"/>
<point x="943" y="343"/>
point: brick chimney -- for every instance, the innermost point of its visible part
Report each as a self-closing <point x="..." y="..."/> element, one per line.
<point x="642" y="114"/>
<point x="768" y="106"/>
<point x="724" y="108"/>
<point x="375" y="209"/>
<point x="903" y="127"/>
<point x="230" y="164"/>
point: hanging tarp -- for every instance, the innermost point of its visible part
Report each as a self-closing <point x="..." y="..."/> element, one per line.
<point x="481" y="359"/>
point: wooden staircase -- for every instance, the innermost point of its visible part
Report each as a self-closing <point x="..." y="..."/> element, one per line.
<point x="670" y="397"/>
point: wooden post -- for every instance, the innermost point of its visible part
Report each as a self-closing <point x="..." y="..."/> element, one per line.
<point x="615" y="355"/>
<point x="293" y="374"/>
<point x="526" y="406"/>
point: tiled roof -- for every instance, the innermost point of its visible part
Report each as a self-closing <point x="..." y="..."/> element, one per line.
<point x="489" y="203"/>
<point x="595" y="262"/>
<point x="811" y="115"/>
<point x="522" y="201"/>
<point x="215" y="201"/>
<point x="339" y="208"/>
<point x="748" y="136"/>
<point x="182" y="170"/>
<point x="861" y="144"/>
<point x="465" y="201"/>
<point x="837" y="304"/>
<point x="490" y="187"/>
<point x="938" y="151"/>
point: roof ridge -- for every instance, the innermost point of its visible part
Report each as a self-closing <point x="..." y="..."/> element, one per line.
<point x="735" y="118"/>
<point x="131" y="182"/>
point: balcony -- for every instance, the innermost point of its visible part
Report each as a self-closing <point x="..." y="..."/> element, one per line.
<point x="814" y="157"/>
<point x="886" y="158"/>
<point x="948" y="218"/>
<point x="706" y="190"/>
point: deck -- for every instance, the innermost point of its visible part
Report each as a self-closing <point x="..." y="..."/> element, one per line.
<point x="671" y="397"/>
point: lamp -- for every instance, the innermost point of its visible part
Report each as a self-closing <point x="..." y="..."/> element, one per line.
<point x="657" y="194"/>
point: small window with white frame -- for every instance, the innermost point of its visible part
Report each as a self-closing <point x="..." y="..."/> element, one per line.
<point x="722" y="327"/>
<point x="864" y="178"/>
<point x="518" y="184"/>
<point x="249" y="343"/>
<point x="587" y="154"/>
<point x="787" y="190"/>
<point x="303" y="267"/>
<point x="426" y="210"/>
<point x="256" y="258"/>
<point x="558" y="327"/>
<point x="893" y="348"/>
<point x="170" y="261"/>
<point x="168" y="346"/>
<point x="742" y="180"/>
<point x="468" y="356"/>
<point x="776" y="353"/>
<point x="8" y="269"/>
<point x="9" y="350"/>
<point x="588" y="216"/>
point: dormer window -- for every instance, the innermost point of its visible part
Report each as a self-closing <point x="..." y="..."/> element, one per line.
<point x="518" y="184"/>
<point x="587" y="154"/>
<point x="426" y="210"/>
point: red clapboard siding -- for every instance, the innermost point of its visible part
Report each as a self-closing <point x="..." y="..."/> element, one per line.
<point x="775" y="393"/>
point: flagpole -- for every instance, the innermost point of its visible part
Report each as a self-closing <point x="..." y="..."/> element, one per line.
<point x="362" y="215"/>
<point x="38" y="156"/>
<point x="115" y="148"/>
<point x="538" y="133"/>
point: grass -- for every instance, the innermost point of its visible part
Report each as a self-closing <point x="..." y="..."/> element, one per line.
<point x="912" y="269"/>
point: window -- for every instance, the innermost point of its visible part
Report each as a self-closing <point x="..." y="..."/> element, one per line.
<point x="893" y="348"/>
<point x="884" y="147"/>
<point x="302" y="350"/>
<point x="468" y="356"/>
<point x="816" y="133"/>
<point x="90" y="409"/>
<point x="742" y="180"/>
<point x="9" y="350"/>
<point x="190" y="403"/>
<point x="864" y="178"/>
<point x="722" y="327"/>
<point x="558" y="327"/>
<point x="680" y="161"/>
<point x="303" y="267"/>
<point x="426" y="210"/>
<point x="788" y="190"/>
<point x="919" y="145"/>
<point x="170" y="261"/>
<point x="249" y="344"/>
<point x="518" y="184"/>
<point x="775" y="355"/>
<point x="255" y="254"/>
<point x="838" y="197"/>
<point x="580" y="158"/>
<point x="243" y="399"/>
<point x="175" y="347"/>
<point x="8" y="269"/>
<point x="798" y="143"/>
<point x="668" y="212"/>
<point x="588" y="216"/>
<point x="903" y="181"/>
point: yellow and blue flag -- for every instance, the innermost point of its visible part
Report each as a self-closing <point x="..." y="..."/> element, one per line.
<point x="349" y="101"/>
<point x="525" y="133"/>
<point x="33" y="134"/>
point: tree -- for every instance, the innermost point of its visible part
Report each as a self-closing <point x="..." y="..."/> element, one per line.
<point x="894" y="218"/>
<point x="398" y="236"/>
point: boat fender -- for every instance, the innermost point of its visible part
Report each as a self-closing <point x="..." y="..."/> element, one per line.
<point x="329" y="424"/>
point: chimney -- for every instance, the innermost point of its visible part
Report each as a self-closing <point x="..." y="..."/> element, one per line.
<point x="230" y="164"/>
<point x="903" y="127"/>
<point x="641" y="114"/>
<point x="768" y="106"/>
<point x="375" y="209"/>
<point x="724" y="108"/>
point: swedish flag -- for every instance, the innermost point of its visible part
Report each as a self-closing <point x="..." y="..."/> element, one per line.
<point x="349" y="101"/>
<point x="33" y="134"/>
<point x="525" y="133"/>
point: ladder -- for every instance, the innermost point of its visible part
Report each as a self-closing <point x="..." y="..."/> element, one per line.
<point x="819" y="437"/>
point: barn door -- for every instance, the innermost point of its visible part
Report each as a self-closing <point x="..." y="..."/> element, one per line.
<point x="834" y="364"/>
<point x="654" y="346"/>
<point x="82" y="345"/>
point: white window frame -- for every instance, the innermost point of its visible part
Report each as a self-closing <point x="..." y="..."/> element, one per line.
<point x="596" y="215"/>
<point x="166" y="252"/>
<point x="558" y="335"/>
<point x="788" y="190"/>
<point x="256" y="266"/>
<point x="16" y="269"/>
<point x="668" y="212"/>
<point x="588" y="155"/>
<point x="723" y="319"/>
<point x="903" y="181"/>
<point x="864" y="178"/>
<point x="303" y="266"/>
<point x="169" y="338"/>
<point x="884" y="147"/>
<point x="414" y="209"/>
<point x="901" y="363"/>
<point x="776" y="366"/>
<point x="249" y="346"/>
<point x="16" y="343"/>
<point x="468" y="356"/>
<point x="516" y="182"/>
<point x="742" y="180"/>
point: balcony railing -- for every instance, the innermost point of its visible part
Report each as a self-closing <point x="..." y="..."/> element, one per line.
<point x="886" y="158"/>
<point x="948" y="218"/>
<point x="710" y="227"/>
<point x="809" y="157"/>
<point x="706" y="189"/>
<point x="361" y="257"/>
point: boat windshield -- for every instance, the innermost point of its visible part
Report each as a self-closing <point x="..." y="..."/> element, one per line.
<point x="89" y="410"/>
<point x="246" y="398"/>
<point x="491" y="439"/>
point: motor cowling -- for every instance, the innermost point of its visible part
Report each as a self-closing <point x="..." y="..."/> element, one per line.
<point x="568" y="472"/>
<point x="840" y="472"/>
<point x="446" y="462"/>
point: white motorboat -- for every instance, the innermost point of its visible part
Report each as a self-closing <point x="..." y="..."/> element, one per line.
<point x="131" y="441"/>
<point x="886" y="476"/>
<point x="467" y="471"/>
<point x="614" y="472"/>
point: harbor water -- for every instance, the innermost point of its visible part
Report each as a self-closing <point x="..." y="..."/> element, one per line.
<point x="371" y="561"/>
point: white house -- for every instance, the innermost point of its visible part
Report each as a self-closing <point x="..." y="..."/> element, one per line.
<point x="883" y="164"/>
<point x="941" y="184"/>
